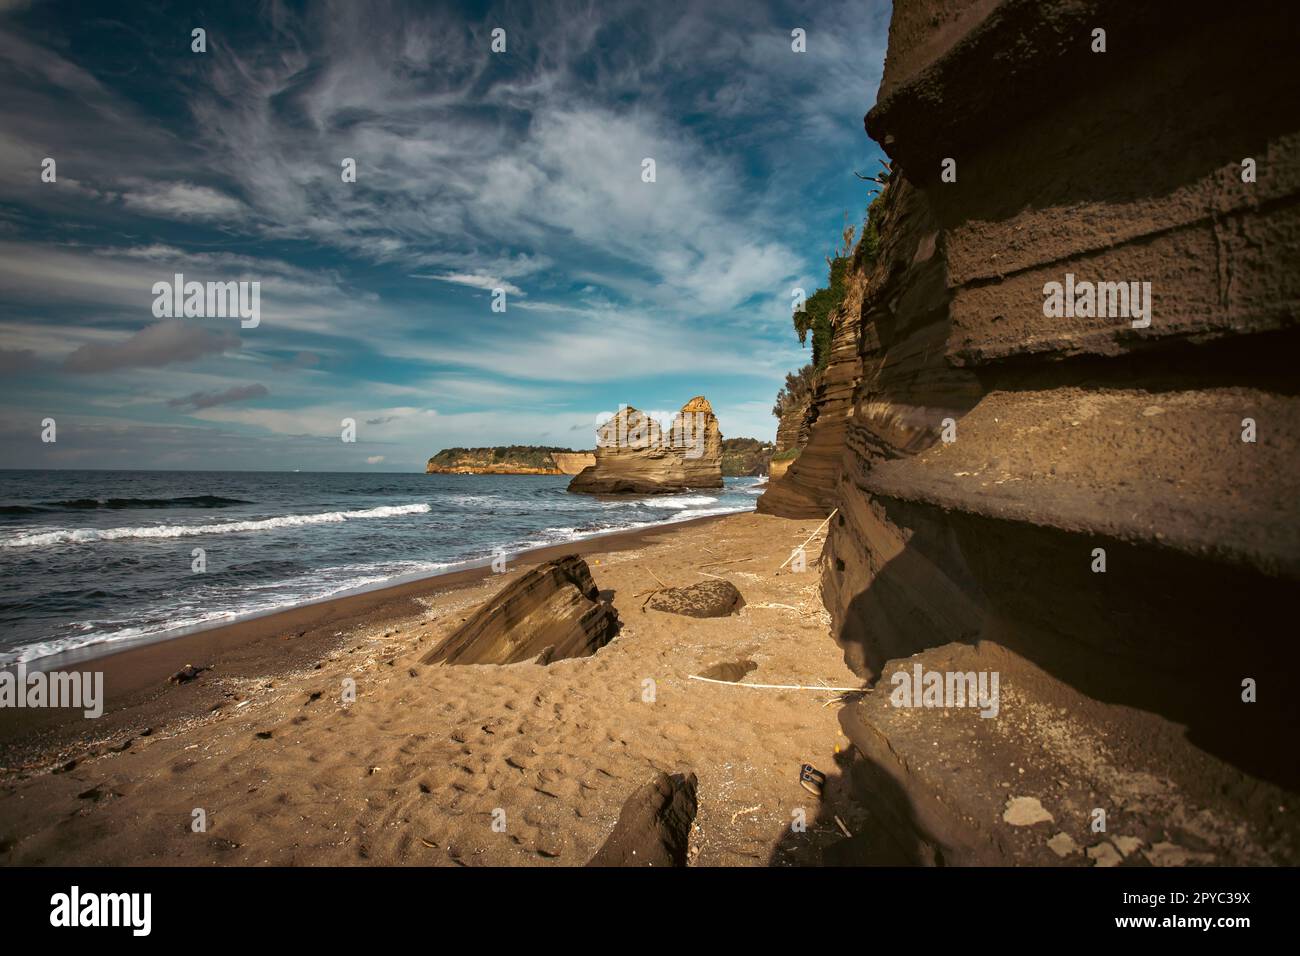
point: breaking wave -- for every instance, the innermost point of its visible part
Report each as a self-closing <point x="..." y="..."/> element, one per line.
<point x="121" y="504"/>
<point x="89" y="535"/>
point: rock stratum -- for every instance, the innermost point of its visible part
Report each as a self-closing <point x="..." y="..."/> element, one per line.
<point x="654" y="827"/>
<point x="807" y="486"/>
<point x="1074" y="437"/>
<point x="550" y="613"/>
<point x="634" y="455"/>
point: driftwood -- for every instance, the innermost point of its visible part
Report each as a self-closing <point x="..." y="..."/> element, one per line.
<point x="657" y="578"/>
<point x="849" y="690"/>
<point x="717" y="564"/>
<point x="809" y="538"/>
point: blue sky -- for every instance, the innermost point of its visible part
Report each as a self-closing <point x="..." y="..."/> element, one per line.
<point x="475" y="170"/>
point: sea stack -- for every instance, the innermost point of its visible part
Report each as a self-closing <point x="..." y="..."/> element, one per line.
<point x="634" y="455"/>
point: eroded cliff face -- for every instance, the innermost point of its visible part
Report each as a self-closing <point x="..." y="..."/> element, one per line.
<point x="793" y="427"/>
<point x="572" y="462"/>
<point x="807" y="487"/>
<point x="1076" y="433"/>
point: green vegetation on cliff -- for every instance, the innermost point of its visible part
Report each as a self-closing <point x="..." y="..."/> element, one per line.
<point x="504" y="457"/>
<point x="815" y="319"/>
<point x="535" y="456"/>
<point x="796" y="390"/>
<point x="821" y="305"/>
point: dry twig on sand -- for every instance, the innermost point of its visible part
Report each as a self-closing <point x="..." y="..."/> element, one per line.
<point x="649" y="595"/>
<point x="733" y="683"/>
<point x="657" y="578"/>
<point x="715" y="564"/>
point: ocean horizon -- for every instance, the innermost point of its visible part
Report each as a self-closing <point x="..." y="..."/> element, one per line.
<point x="129" y="557"/>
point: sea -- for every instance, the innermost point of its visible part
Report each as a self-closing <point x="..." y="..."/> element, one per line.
<point x="94" y="561"/>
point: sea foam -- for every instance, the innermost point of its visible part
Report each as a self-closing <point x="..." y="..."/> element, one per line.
<point x="57" y="536"/>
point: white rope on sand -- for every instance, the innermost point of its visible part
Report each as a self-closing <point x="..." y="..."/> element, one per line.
<point x="710" y="680"/>
<point x="809" y="538"/>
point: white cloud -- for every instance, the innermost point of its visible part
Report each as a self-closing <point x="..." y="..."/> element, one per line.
<point x="182" y="201"/>
<point x="521" y="173"/>
<point x="476" y="281"/>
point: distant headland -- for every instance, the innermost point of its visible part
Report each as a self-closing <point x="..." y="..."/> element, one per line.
<point x="509" y="460"/>
<point x="740" y="457"/>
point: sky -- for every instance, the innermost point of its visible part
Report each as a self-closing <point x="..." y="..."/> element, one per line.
<point x="521" y="171"/>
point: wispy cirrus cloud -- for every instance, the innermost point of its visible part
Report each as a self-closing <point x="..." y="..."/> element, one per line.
<point x="475" y="171"/>
<point x="182" y="201"/>
<point x="476" y="281"/>
<point x="236" y="393"/>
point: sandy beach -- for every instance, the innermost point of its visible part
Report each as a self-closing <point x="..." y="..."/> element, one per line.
<point x="413" y="771"/>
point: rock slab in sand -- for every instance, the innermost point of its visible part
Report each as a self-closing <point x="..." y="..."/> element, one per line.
<point x="654" y="826"/>
<point x="706" y="599"/>
<point x="552" y="612"/>
<point x="635" y="456"/>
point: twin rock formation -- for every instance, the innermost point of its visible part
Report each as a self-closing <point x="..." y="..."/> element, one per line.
<point x="635" y="456"/>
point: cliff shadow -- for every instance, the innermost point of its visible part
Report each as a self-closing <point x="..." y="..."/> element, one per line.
<point x="877" y="811"/>
<point x="1160" y="631"/>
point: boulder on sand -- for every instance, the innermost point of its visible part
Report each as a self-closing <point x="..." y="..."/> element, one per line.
<point x="706" y="599"/>
<point x="552" y="612"/>
<point x="654" y="826"/>
<point x="635" y="456"/>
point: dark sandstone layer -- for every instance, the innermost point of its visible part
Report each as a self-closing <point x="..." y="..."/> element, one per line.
<point x="1073" y="434"/>
<point x="552" y="612"/>
<point x="654" y="827"/>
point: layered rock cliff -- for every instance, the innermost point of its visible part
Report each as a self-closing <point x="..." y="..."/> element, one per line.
<point x="793" y="426"/>
<point x="807" y="487"/>
<point x="1105" y="511"/>
<point x="634" y="455"/>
